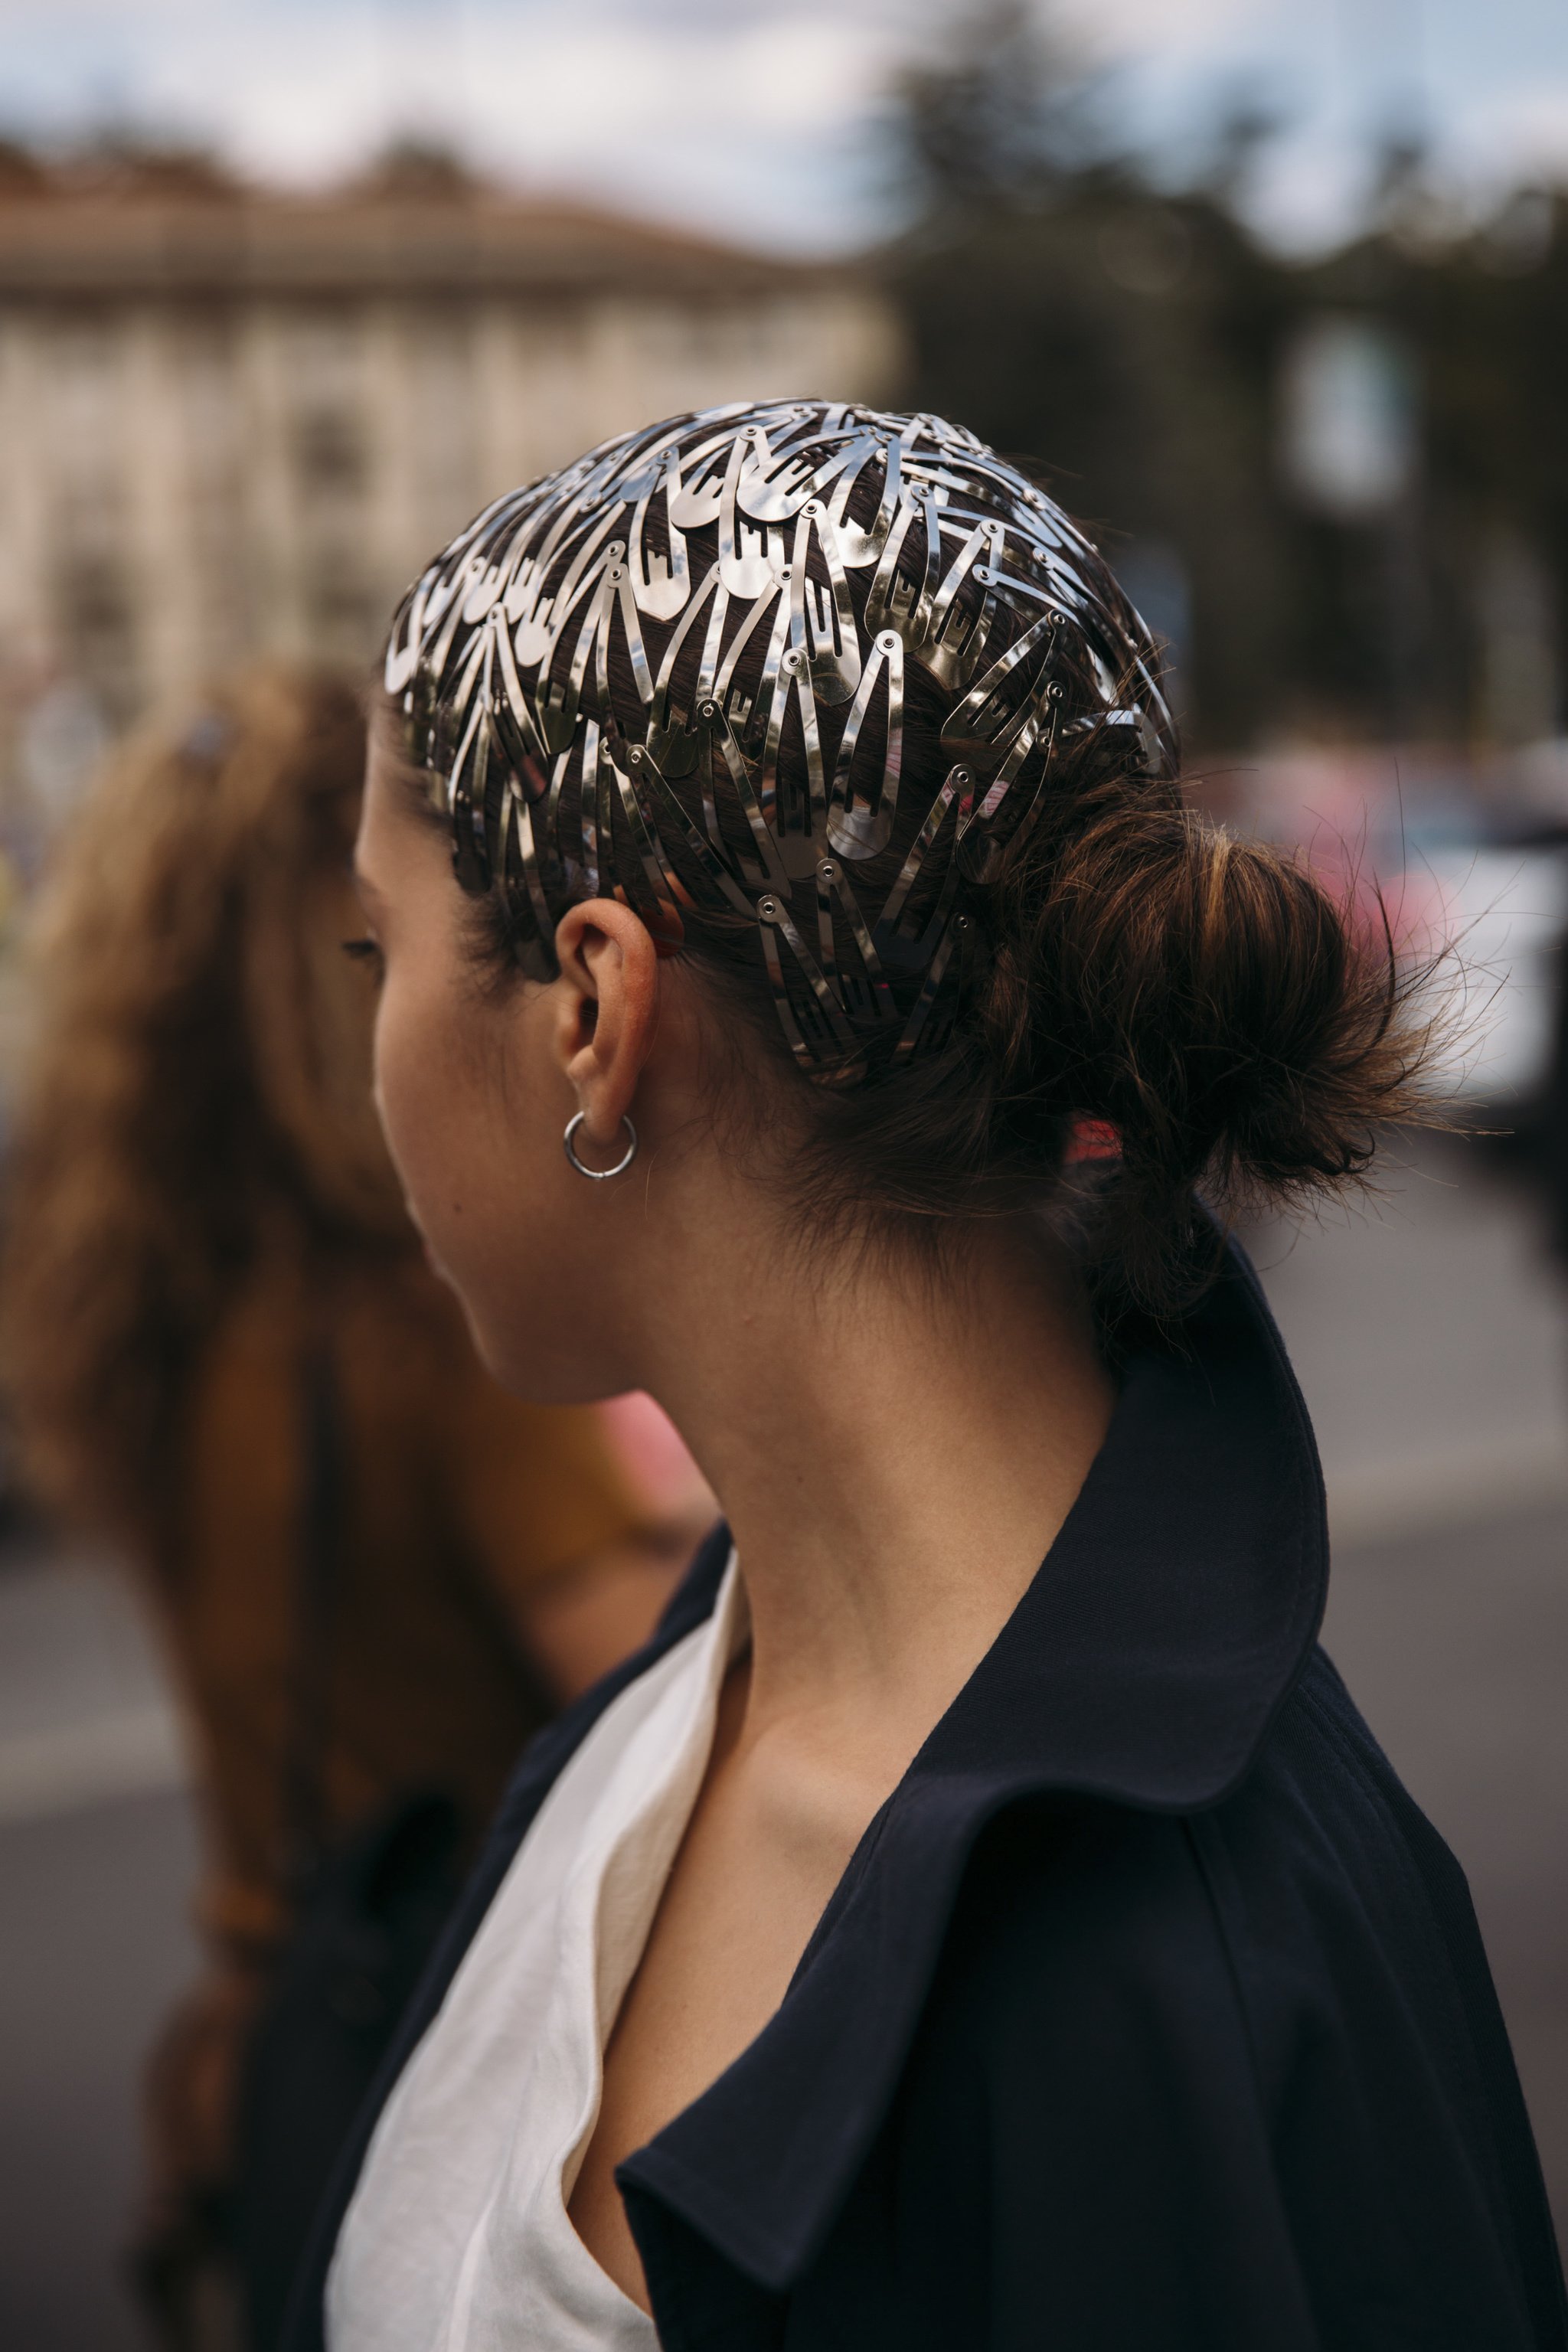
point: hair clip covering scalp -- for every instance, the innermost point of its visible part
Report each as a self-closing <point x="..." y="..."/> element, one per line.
<point x="717" y="730"/>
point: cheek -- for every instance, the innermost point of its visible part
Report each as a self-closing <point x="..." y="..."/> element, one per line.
<point x="481" y="1169"/>
<point x="428" y="1102"/>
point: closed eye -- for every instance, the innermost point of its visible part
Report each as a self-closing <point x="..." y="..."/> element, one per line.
<point x="366" y="950"/>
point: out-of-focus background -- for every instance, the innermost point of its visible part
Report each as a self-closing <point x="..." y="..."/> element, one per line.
<point x="1278" y="298"/>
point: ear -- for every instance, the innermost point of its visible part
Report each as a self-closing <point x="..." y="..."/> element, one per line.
<point x="608" y="1010"/>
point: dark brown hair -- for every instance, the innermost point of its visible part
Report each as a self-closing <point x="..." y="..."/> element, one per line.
<point x="1222" y="1023"/>
<point x="199" y="1086"/>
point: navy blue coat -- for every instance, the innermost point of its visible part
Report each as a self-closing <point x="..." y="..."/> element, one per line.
<point x="1150" y="2014"/>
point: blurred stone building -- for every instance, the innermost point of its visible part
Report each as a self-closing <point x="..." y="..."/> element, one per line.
<point x="233" y="423"/>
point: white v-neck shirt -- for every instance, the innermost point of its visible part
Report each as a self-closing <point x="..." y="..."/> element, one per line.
<point x="457" y="2238"/>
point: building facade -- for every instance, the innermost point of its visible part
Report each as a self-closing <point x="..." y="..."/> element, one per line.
<point x="233" y="425"/>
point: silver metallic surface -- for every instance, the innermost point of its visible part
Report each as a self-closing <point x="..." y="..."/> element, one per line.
<point x="713" y="731"/>
<point x="598" y="1175"/>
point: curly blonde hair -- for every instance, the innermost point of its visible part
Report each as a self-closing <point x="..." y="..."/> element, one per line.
<point x="198" y="1092"/>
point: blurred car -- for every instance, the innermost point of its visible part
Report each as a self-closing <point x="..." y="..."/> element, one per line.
<point x="1471" y="872"/>
<point x="1503" y="915"/>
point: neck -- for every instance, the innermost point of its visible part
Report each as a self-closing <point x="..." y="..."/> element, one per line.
<point x="895" y="1447"/>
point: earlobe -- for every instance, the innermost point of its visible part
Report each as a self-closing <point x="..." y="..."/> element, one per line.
<point x="599" y="1175"/>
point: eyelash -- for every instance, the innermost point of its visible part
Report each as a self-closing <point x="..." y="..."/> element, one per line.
<point x="366" y="950"/>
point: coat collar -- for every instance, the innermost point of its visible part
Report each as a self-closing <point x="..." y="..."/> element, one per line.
<point x="1143" y="1666"/>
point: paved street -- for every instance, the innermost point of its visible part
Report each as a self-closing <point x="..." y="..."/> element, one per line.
<point x="1453" y="1642"/>
<point x="97" y="1848"/>
<point x="1430" y="1339"/>
<point x="1429" y="1332"/>
<point x="94" y="1943"/>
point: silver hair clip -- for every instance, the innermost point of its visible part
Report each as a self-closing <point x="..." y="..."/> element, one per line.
<point x="647" y="673"/>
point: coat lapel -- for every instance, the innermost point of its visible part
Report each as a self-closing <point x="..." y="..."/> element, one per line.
<point x="1143" y="1666"/>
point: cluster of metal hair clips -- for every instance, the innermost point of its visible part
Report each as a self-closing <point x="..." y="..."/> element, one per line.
<point x="540" y="662"/>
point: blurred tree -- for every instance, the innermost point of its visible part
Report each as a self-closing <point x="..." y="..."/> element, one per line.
<point x="1134" y="341"/>
<point x="1117" y="335"/>
<point x="1483" y="311"/>
<point x="130" y="161"/>
<point x="999" y="119"/>
<point x="421" y="169"/>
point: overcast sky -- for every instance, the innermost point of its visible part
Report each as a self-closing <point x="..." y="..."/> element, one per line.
<point x="757" y="118"/>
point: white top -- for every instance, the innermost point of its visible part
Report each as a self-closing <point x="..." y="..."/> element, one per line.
<point x="457" y="2238"/>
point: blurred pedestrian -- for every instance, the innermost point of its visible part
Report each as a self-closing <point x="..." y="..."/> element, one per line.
<point x="374" y="1573"/>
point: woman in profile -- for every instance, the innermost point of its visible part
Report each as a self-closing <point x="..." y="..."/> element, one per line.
<point x="980" y="1918"/>
<point x="374" y="1571"/>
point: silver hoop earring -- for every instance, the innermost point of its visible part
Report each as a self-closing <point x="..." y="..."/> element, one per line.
<point x="599" y="1175"/>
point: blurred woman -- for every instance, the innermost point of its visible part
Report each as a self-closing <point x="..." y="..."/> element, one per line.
<point x="374" y="1573"/>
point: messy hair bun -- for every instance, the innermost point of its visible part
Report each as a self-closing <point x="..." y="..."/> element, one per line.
<point x="1195" y="1005"/>
<point x="1229" y="1023"/>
